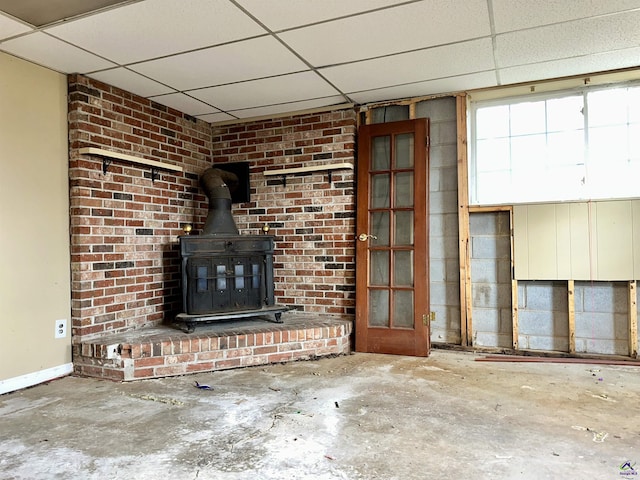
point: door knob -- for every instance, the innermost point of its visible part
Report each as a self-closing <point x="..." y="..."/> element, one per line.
<point x="363" y="237"/>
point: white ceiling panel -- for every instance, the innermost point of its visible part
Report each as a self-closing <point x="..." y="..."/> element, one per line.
<point x="510" y="15"/>
<point x="440" y="62"/>
<point x="54" y="54"/>
<point x="131" y="81"/>
<point x="246" y="60"/>
<point x="10" y="27"/>
<point x="216" y="117"/>
<point x="261" y="57"/>
<point x="582" y="37"/>
<point x="266" y="91"/>
<point x="571" y="66"/>
<point x="155" y="28"/>
<point x="288" y="107"/>
<point x="282" y="14"/>
<point x="431" y="87"/>
<point x="185" y="104"/>
<point x="390" y="31"/>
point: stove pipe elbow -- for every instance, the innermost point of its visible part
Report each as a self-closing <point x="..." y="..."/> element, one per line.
<point x="215" y="183"/>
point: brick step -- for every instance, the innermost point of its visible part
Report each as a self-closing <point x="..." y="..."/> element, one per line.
<point x="163" y="351"/>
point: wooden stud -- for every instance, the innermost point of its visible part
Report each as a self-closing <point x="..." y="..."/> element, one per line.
<point x="466" y="324"/>
<point x="572" y="315"/>
<point x="412" y="111"/>
<point x="367" y="116"/>
<point x="494" y="208"/>
<point x="633" y="320"/>
<point x="514" y="287"/>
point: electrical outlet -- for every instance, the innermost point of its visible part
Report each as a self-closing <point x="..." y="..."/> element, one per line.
<point x="61" y="328"/>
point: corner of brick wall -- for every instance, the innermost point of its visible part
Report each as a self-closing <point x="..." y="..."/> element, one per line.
<point x="313" y="221"/>
<point x="124" y="226"/>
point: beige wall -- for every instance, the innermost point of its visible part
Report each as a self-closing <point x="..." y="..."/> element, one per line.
<point x="577" y="241"/>
<point x="34" y="223"/>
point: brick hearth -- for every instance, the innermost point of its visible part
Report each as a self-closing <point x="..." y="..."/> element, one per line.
<point x="163" y="351"/>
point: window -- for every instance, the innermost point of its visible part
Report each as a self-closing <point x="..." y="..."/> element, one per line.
<point x="576" y="145"/>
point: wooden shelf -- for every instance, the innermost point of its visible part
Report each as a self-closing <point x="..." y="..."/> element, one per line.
<point x="108" y="156"/>
<point x="283" y="172"/>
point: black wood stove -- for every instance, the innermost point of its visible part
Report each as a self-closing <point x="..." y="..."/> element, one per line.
<point x="225" y="275"/>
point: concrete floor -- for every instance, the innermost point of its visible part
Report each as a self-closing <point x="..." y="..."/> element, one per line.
<point x="361" y="416"/>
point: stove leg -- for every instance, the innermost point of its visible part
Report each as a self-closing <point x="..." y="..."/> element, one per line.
<point x="188" y="327"/>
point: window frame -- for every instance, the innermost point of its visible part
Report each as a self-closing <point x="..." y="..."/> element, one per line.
<point x="589" y="186"/>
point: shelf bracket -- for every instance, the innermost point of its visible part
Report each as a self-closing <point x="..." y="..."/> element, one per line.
<point x="284" y="180"/>
<point x="330" y="177"/>
<point x="105" y="165"/>
<point x="154" y="174"/>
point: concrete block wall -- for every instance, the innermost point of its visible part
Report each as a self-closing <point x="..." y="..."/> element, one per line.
<point x="491" y="279"/>
<point x="444" y="263"/>
<point x="124" y="225"/>
<point x="313" y="221"/>
<point x="602" y="317"/>
<point x="543" y="316"/>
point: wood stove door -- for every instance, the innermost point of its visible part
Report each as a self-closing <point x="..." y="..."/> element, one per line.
<point x="199" y="274"/>
<point x="247" y="290"/>
<point x="392" y="257"/>
<point x="225" y="283"/>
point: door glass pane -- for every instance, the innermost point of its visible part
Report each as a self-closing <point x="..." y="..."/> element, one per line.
<point x="379" y="267"/>
<point x="379" y="308"/>
<point x="221" y="277"/>
<point x="380" y="191"/>
<point x="403" y="268"/>
<point x="201" y="276"/>
<point x="255" y="275"/>
<point x="379" y="228"/>
<point x="403" y="233"/>
<point x="403" y="308"/>
<point x="239" y="272"/>
<point x="404" y="150"/>
<point x="403" y="189"/>
<point x="381" y="153"/>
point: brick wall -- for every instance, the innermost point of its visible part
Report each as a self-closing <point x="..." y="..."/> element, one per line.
<point x="313" y="221"/>
<point x="124" y="226"/>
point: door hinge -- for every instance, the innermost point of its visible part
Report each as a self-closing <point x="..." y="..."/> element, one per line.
<point x="427" y="141"/>
<point x="427" y="318"/>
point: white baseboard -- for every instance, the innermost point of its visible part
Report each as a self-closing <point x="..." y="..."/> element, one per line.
<point x="31" y="379"/>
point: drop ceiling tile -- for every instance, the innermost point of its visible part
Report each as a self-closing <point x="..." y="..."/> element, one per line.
<point x="625" y="58"/>
<point x="281" y="14"/>
<point x="131" y="81"/>
<point x="510" y="15"/>
<point x="390" y="31"/>
<point x="266" y="91"/>
<point x="246" y="60"/>
<point x="53" y="53"/>
<point x="440" y="62"/>
<point x="10" y="27"/>
<point x="155" y="28"/>
<point x="582" y="37"/>
<point x="42" y="12"/>
<point x="184" y="104"/>
<point x="288" y="107"/>
<point x="431" y="87"/>
<point x="216" y="117"/>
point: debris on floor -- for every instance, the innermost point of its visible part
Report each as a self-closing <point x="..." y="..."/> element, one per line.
<point x="202" y="386"/>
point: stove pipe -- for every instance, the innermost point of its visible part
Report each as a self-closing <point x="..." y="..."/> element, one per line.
<point x="215" y="183"/>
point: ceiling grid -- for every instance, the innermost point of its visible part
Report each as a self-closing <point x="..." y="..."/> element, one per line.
<point x="221" y="60"/>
